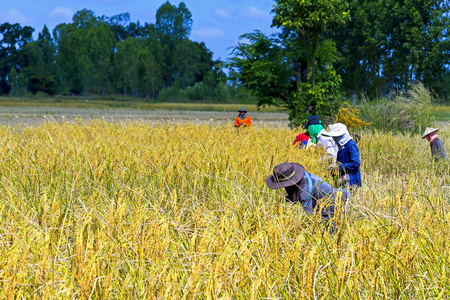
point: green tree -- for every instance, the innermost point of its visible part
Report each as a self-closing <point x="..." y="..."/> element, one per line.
<point x="40" y="69"/>
<point x="173" y="25"/>
<point x="389" y="44"/>
<point x="295" y="70"/>
<point x="262" y="66"/>
<point x="85" y="49"/>
<point x="100" y="44"/>
<point x="271" y="69"/>
<point x="13" y="38"/>
<point x="126" y="61"/>
<point x="309" y="20"/>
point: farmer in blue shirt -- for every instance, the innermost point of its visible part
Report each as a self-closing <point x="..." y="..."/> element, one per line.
<point x="347" y="157"/>
<point x="315" y="195"/>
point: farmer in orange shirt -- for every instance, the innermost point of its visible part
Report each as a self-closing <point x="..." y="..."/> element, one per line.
<point x="243" y="119"/>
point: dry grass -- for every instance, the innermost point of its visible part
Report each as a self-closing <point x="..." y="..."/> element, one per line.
<point x="131" y="210"/>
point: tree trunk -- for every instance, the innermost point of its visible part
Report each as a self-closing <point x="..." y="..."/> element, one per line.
<point x="313" y="71"/>
<point x="298" y="73"/>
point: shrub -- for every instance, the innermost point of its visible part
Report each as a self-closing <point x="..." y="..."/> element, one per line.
<point x="168" y="94"/>
<point x="409" y="111"/>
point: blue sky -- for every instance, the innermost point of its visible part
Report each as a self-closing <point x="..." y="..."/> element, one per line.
<point x="218" y="23"/>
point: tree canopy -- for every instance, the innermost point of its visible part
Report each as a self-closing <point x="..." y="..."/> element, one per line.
<point x="326" y="50"/>
<point x="105" y="55"/>
<point x="330" y="49"/>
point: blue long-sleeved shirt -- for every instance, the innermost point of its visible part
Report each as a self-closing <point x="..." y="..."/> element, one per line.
<point x="316" y="192"/>
<point x="348" y="157"/>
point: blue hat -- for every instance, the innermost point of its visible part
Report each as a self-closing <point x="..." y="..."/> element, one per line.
<point x="312" y="120"/>
<point x="242" y="109"/>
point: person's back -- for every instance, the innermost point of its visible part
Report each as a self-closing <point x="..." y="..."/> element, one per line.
<point x="437" y="148"/>
<point x="331" y="149"/>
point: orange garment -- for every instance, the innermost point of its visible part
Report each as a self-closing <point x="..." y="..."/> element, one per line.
<point x="246" y="122"/>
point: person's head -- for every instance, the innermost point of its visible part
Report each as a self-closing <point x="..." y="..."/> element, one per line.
<point x="312" y="120"/>
<point x="339" y="133"/>
<point x="336" y="131"/>
<point x="286" y="175"/>
<point x="242" y="111"/>
<point x="430" y="133"/>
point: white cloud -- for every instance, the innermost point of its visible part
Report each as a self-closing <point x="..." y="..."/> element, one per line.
<point x="222" y="13"/>
<point x="61" y="13"/>
<point x="208" y="33"/>
<point x="13" y="16"/>
<point x="254" y="13"/>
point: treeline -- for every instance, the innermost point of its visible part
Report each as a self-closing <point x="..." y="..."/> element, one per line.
<point x="326" y="51"/>
<point x="108" y="55"/>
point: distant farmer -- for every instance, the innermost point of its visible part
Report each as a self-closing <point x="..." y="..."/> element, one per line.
<point x="347" y="156"/>
<point x="303" y="140"/>
<point x="315" y="195"/>
<point x="243" y="119"/>
<point x="309" y="138"/>
<point x="437" y="148"/>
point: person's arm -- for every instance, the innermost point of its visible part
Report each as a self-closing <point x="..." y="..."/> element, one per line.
<point x="237" y="122"/>
<point x="248" y="121"/>
<point x="354" y="162"/>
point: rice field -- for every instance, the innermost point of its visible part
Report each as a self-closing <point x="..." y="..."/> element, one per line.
<point x="134" y="210"/>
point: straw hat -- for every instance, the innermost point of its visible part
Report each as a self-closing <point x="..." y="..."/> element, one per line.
<point x="284" y="175"/>
<point x="429" y="130"/>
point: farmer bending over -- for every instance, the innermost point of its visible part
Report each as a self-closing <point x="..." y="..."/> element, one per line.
<point x="315" y="195"/>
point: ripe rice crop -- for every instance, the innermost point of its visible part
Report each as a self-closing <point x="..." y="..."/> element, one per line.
<point x="131" y="210"/>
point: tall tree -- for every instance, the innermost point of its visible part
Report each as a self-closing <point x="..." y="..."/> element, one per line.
<point x="389" y="44"/>
<point x="263" y="67"/>
<point x="310" y="20"/>
<point x="173" y="25"/>
<point x="40" y="69"/>
<point x="85" y="52"/>
<point x="13" y="38"/>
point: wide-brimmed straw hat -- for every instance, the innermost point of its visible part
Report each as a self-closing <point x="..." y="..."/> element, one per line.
<point x="242" y="109"/>
<point x="284" y="175"/>
<point x="337" y="129"/>
<point x="429" y="130"/>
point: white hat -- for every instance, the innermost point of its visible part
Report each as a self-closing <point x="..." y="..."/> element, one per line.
<point x="429" y="130"/>
<point x="337" y="129"/>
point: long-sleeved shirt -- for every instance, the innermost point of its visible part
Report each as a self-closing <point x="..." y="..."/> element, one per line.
<point x="318" y="192"/>
<point x="247" y="121"/>
<point x="437" y="149"/>
<point x="330" y="146"/>
<point x="348" y="157"/>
